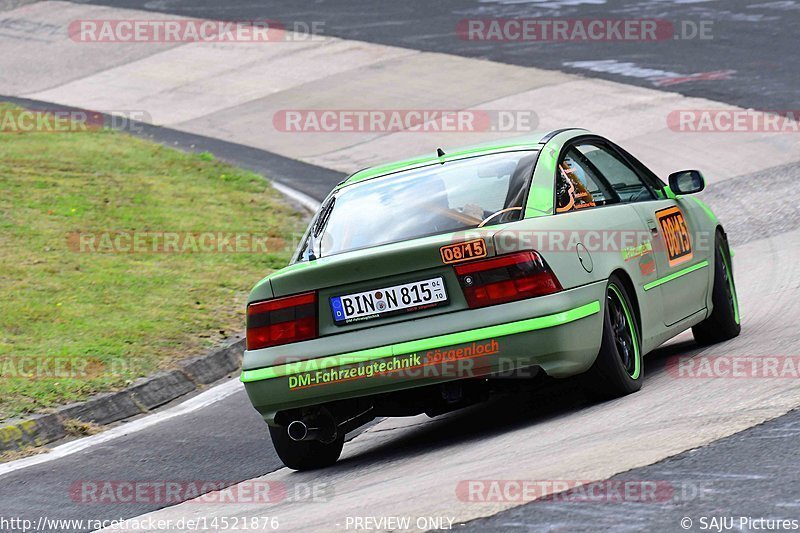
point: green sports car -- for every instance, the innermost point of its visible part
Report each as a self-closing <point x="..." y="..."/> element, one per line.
<point x="419" y="285"/>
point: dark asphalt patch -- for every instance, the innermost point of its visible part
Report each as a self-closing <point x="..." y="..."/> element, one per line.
<point x="225" y="442"/>
<point x="755" y="39"/>
<point x="753" y="474"/>
<point x="757" y="206"/>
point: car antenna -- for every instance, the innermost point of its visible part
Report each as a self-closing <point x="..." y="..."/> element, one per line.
<point x="440" y="153"/>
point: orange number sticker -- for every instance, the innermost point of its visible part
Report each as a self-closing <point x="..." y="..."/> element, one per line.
<point x="463" y="251"/>
<point x="675" y="234"/>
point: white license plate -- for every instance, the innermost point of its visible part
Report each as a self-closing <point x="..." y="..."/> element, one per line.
<point x="388" y="301"/>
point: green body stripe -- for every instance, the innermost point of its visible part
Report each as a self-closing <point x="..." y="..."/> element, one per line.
<point x="676" y="275"/>
<point x="430" y="343"/>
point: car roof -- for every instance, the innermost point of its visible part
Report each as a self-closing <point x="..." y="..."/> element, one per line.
<point x="533" y="141"/>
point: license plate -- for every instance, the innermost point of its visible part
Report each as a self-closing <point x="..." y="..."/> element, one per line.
<point x="388" y="301"/>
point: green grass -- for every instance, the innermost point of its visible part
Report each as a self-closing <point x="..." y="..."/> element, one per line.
<point x="130" y="314"/>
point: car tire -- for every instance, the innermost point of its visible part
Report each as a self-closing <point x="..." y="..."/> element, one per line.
<point x="305" y="455"/>
<point x="618" y="369"/>
<point x="723" y="322"/>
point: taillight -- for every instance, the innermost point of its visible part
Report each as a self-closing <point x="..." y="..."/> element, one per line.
<point x="281" y="321"/>
<point x="506" y="278"/>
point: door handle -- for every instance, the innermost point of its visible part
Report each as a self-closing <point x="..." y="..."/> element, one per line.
<point x="653" y="226"/>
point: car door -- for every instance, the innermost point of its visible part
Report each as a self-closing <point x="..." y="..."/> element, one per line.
<point x="673" y="226"/>
<point x="614" y="233"/>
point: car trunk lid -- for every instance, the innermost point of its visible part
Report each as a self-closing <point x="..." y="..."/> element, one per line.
<point x="379" y="268"/>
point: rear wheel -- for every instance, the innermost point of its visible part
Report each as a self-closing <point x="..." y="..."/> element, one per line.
<point x="723" y="322"/>
<point x="305" y="455"/>
<point x="618" y="369"/>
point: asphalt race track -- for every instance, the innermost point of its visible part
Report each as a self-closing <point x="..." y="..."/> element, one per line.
<point x="751" y="37"/>
<point x="723" y="447"/>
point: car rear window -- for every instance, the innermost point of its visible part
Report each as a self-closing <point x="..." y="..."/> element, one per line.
<point x="434" y="199"/>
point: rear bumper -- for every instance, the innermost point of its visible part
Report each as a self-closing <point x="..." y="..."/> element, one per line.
<point x="563" y="339"/>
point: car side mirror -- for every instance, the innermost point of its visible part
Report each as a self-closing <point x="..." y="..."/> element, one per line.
<point x="687" y="182"/>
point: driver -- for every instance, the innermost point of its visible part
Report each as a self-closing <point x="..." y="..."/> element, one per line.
<point x="474" y="211"/>
<point x="427" y="199"/>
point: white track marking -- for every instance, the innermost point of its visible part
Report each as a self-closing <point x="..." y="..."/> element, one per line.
<point x="299" y="197"/>
<point x="202" y="400"/>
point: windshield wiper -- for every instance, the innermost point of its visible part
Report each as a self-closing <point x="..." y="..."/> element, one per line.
<point x="310" y="247"/>
<point x="319" y="228"/>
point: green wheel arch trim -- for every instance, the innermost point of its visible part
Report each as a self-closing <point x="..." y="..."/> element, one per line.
<point x="637" y="355"/>
<point x="709" y="213"/>
<point x="676" y="275"/>
<point x="430" y="343"/>
<point x="731" y="285"/>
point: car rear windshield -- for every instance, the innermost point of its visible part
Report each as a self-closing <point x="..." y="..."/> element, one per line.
<point x="435" y="199"/>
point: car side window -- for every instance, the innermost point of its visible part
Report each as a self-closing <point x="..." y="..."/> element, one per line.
<point x="577" y="184"/>
<point x="617" y="173"/>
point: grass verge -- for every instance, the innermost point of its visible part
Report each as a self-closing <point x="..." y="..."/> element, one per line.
<point x="79" y="313"/>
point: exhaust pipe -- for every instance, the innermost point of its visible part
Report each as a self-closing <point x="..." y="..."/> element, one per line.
<point x="322" y="428"/>
<point x="298" y="430"/>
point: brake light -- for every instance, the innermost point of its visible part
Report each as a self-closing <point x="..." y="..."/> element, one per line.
<point x="506" y="278"/>
<point x="281" y="321"/>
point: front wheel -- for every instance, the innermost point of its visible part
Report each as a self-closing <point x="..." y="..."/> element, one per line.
<point x="618" y="369"/>
<point x="723" y="322"/>
<point x="305" y="455"/>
